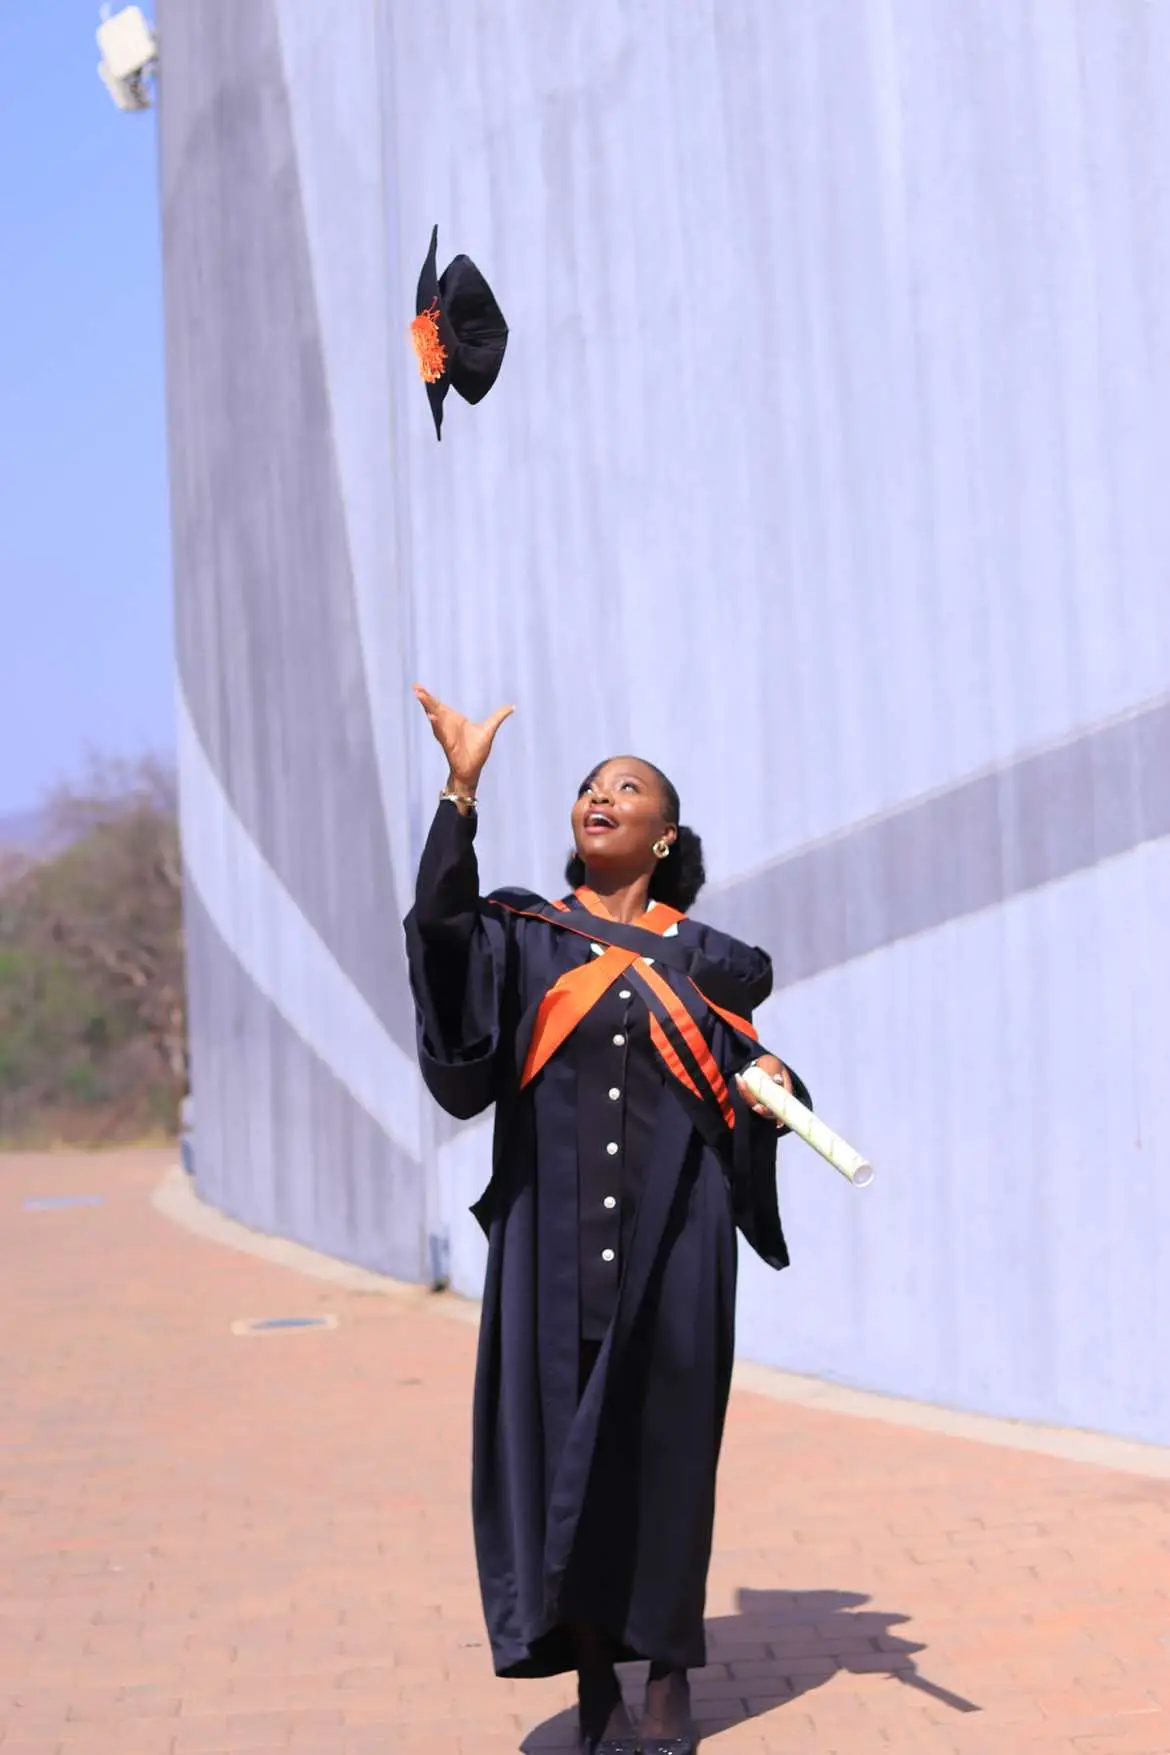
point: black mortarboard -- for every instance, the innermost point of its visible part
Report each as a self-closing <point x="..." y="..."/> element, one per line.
<point x="459" y="332"/>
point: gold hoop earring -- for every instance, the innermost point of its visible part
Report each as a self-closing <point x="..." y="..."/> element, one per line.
<point x="661" y="848"/>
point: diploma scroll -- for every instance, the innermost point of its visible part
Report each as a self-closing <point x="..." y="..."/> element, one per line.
<point x="812" y="1130"/>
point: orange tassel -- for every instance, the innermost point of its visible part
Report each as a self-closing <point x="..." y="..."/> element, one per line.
<point x="432" y="355"/>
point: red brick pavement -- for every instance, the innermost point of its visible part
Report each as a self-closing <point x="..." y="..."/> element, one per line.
<point x="214" y="1542"/>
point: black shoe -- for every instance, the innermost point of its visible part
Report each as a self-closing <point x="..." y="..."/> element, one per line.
<point x="668" y="1745"/>
<point x="600" y="1738"/>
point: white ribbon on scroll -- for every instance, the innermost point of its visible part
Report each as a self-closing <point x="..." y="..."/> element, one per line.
<point x="811" y="1129"/>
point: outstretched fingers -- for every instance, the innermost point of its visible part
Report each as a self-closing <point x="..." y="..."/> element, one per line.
<point x="492" y="725"/>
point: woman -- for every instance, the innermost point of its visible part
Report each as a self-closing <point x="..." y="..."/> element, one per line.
<point x="607" y="1029"/>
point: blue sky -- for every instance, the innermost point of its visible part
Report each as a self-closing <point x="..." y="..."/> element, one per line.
<point x="85" y="652"/>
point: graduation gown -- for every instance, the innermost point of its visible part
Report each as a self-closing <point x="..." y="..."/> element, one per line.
<point x="593" y="1506"/>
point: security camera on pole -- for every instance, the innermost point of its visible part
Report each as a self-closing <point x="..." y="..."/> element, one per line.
<point x="129" y="50"/>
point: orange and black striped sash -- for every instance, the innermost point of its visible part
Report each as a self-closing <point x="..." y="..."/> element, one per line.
<point x="676" y="1018"/>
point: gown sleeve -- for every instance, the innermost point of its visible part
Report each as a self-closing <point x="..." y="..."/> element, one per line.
<point x="755" y="1137"/>
<point x="456" y="955"/>
<point x="750" y="970"/>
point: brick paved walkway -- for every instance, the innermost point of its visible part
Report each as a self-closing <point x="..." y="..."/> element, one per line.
<point x="214" y="1542"/>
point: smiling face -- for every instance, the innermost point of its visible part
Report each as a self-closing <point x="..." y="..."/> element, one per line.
<point x="622" y="809"/>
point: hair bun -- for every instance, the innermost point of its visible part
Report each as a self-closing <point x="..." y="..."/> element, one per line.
<point x="680" y="876"/>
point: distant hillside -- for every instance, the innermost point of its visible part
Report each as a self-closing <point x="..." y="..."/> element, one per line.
<point x="23" y="831"/>
<point x="92" y="1032"/>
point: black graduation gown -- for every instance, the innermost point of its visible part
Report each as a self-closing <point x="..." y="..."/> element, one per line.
<point x="593" y="1507"/>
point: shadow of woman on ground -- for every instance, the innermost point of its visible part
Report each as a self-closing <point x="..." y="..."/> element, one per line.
<point x="779" y="1646"/>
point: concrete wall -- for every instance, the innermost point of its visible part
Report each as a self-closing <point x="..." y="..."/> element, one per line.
<point x="291" y="598"/>
<point x="825" y="470"/>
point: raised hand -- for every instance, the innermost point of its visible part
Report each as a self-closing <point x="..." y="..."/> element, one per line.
<point x="465" y="744"/>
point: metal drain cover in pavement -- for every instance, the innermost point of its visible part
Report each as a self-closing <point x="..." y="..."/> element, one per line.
<point x="52" y="1203"/>
<point x="266" y="1325"/>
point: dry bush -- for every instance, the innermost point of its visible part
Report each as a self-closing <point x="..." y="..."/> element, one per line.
<point x="92" y="1012"/>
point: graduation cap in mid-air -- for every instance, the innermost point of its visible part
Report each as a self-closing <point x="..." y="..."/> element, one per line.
<point x="459" y="332"/>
